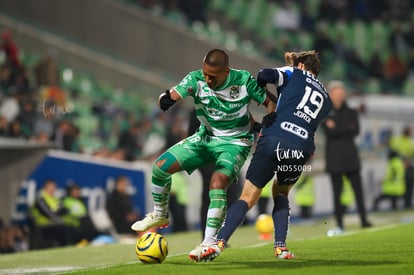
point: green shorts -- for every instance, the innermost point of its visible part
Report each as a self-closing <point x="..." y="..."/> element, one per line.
<point x="228" y="155"/>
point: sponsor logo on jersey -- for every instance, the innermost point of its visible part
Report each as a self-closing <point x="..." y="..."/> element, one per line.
<point x="294" y="129"/>
<point x="235" y="105"/>
<point x="234" y="92"/>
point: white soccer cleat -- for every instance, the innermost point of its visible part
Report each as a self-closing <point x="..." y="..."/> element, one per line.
<point x="195" y="254"/>
<point x="284" y="253"/>
<point x="151" y="220"/>
<point x="207" y="253"/>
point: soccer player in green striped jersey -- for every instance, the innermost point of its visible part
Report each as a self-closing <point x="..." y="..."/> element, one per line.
<point x="221" y="98"/>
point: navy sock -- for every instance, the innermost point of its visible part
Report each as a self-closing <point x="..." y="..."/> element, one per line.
<point x="235" y="216"/>
<point x="280" y="215"/>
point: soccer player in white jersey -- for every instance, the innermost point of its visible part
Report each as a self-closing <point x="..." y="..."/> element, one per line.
<point x="221" y="97"/>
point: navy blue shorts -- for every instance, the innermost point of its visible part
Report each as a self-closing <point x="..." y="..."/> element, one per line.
<point x="274" y="155"/>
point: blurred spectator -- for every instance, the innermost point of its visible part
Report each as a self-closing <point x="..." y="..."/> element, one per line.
<point x="395" y="72"/>
<point x="11" y="50"/>
<point x="376" y="66"/>
<point x="397" y="40"/>
<point x="106" y="111"/>
<point x="65" y="136"/>
<point x="5" y="79"/>
<point x="20" y="82"/>
<point x="46" y="70"/>
<point x="355" y="67"/>
<point x="12" y="239"/>
<point x="27" y="116"/>
<point x="9" y="107"/>
<point x="323" y="45"/>
<point x="77" y="218"/>
<point x="106" y="108"/>
<point x="404" y="145"/>
<point x="340" y="49"/>
<point x="152" y="136"/>
<point x="47" y="218"/>
<point x="341" y="154"/>
<point x="286" y="17"/>
<point x="4" y="126"/>
<point x="129" y="141"/>
<point x="120" y="208"/>
<point x="45" y="126"/>
<point x="14" y="75"/>
<point x="15" y="130"/>
<point x="307" y="21"/>
<point x="177" y="130"/>
<point x="393" y="184"/>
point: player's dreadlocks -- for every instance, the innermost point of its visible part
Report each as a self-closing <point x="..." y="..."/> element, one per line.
<point x="309" y="58"/>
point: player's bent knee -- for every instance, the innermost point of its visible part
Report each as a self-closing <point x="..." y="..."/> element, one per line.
<point x="157" y="172"/>
<point x="219" y="181"/>
<point x="281" y="193"/>
<point x="281" y="190"/>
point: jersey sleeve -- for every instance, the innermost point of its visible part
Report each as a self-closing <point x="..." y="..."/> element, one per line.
<point x="187" y="86"/>
<point x="277" y="76"/>
<point x="256" y="92"/>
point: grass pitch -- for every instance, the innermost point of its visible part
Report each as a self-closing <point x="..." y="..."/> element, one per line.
<point x="386" y="248"/>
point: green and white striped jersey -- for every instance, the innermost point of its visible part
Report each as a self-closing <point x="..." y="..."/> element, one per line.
<point x="223" y="112"/>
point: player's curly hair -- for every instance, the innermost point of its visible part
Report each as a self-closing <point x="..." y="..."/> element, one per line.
<point x="309" y="58"/>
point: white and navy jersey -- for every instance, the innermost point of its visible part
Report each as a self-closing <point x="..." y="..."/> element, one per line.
<point x="302" y="104"/>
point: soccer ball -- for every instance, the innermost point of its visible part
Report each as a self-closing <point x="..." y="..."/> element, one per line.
<point x="151" y="248"/>
<point x="264" y="224"/>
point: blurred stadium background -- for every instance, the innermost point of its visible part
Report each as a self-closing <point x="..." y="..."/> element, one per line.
<point x="99" y="66"/>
